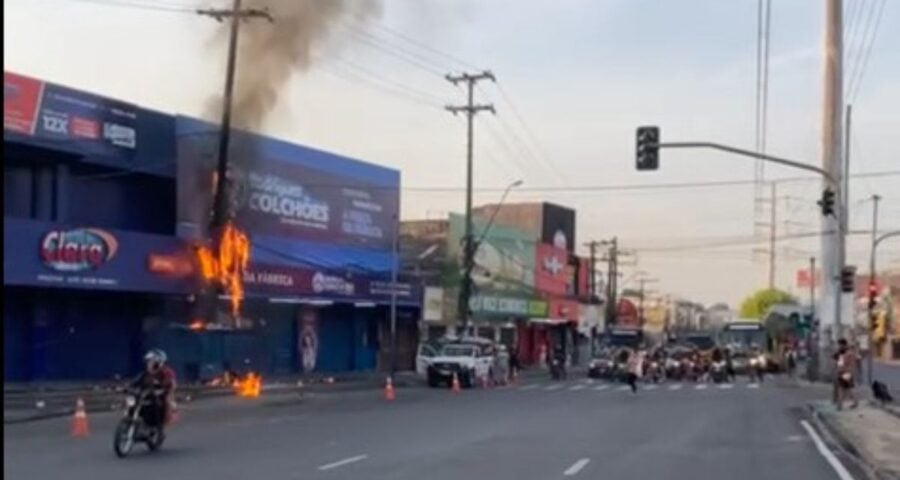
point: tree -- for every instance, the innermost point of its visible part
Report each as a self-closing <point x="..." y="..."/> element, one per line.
<point x="757" y="304"/>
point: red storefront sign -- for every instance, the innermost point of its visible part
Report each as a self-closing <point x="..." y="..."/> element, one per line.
<point x="563" y="309"/>
<point x="21" y="96"/>
<point x="552" y="273"/>
<point x="627" y="314"/>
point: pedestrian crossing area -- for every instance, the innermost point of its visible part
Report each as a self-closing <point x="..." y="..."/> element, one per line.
<point x="593" y="386"/>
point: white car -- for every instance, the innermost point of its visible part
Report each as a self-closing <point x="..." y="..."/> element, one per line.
<point x="471" y="362"/>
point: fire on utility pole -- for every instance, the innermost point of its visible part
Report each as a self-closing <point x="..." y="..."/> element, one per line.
<point x="470" y="109"/>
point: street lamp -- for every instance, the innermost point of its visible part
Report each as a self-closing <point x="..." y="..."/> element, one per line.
<point x="466" y="290"/>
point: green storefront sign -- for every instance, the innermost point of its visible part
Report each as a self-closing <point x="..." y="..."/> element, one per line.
<point x="490" y="305"/>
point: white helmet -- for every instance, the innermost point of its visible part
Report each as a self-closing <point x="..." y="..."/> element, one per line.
<point x="156" y="356"/>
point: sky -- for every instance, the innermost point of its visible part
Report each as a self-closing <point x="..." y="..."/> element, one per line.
<point x="574" y="79"/>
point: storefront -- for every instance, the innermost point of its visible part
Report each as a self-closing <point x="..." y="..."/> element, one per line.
<point x="321" y="229"/>
<point x="78" y="299"/>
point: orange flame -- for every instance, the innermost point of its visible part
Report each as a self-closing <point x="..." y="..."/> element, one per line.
<point x="248" y="387"/>
<point x="226" y="266"/>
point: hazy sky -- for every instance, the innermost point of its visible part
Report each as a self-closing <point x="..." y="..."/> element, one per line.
<point x="581" y="73"/>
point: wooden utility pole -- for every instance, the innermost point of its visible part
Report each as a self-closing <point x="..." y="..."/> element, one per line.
<point x="470" y="109"/>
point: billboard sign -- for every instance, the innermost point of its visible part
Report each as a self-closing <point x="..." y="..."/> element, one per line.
<point x="553" y="274"/>
<point x="49" y="112"/>
<point x="504" y="261"/>
<point x="92" y="258"/>
<point x="492" y="305"/>
<point x="285" y="195"/>
<point x="558" y="227"/>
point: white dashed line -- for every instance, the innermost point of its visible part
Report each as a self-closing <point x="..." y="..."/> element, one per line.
<point x="576" y="388"/>
<point x="599" y="388"/>
<point x="552" y="387"/>
<point x="752" y="385"/>
<point x="726" y="386"/>
<point x="576" y="467"/>
<point x="529" y="387"/>
<point x="341" y="463"/>
<point x="701" y="386"/>
<point x="677" y="386"/>
<point x="624" y="388"/>
<point x="651" y="387"/>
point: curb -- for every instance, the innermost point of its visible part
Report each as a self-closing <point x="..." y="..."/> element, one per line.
<point x="833" y="437"/>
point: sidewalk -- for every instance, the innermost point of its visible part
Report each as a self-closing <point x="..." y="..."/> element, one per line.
<point x="868" y="433"/>
<point x="30" y="402"/>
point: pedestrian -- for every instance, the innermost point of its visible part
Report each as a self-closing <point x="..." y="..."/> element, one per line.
<point x="791" y="360"/>
<point x="513" y="363"/>
<point x="846" y="362"/>
<point x="729" y="365"/>
<point x="635" y="369"/>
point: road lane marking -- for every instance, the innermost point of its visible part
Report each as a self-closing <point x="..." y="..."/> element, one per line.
<point x="752" y="385"/>
<point x="555" y="386"/>
<point x="677" y="386"/>
<point x="341" y="463"/>
<point x="624" y="388"/>
<point x="529" y="387"/>
<point x="577" y="387"/>
<point x="725" y="386"/>
<point x="825" y="452"/>
<point x="599" y="388"/>
<point x="701" y="386"/>
<point x="576" y="467"/>
<point x="651" y="387"/>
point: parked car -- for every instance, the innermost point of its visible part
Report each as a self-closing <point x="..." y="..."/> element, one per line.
<point x="470" y="361"/>
<point x="601" y="366"/>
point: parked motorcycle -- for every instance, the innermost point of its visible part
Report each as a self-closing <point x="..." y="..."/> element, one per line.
<point x="142" y="422"/>
<point x="557" y="369"/>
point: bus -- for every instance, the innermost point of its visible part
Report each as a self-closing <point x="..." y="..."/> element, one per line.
<point x="744" y="334"/>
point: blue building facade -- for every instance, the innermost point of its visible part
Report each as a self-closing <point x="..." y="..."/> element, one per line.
<point x="103" y="201"/>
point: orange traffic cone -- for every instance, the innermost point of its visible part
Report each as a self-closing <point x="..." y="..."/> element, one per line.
<point x="455" y="384"/>
<point x="389" y="389"/>
<point x="80" y="421"/>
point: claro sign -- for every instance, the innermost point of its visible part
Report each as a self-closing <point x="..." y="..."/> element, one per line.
<point x="77" y="250"/>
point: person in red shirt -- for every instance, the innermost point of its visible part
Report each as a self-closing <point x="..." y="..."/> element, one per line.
<point x="158" y="376"/>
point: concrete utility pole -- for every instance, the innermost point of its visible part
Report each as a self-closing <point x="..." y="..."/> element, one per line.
<point x="832" y="310"/>
<point x="872" y="274"/>
<point x="470" y="109"/>
<point x="812" y="348"/>
<point x="612" y="284"/>
<point x="772" y="235"/>
<point x="220" y="202"/>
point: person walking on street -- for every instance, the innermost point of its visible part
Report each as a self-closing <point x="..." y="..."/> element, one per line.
<point x="635" y="369"/>
<point x="847" y="361"/>
<point x="513" y="363"/>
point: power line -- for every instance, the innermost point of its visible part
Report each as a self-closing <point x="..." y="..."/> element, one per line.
<point x="135" y="4"/>
<point x="417" y="43"/>
<point x="854" y="87"/>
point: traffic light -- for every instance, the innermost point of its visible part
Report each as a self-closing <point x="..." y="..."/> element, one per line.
<point x="873" y="295"/>
<point x="648" y="148"/>
<point x="848" y="279"/>
<point x="827" y="202"/>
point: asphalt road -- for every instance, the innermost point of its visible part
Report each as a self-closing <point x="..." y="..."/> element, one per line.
<point x="888" y="373"/>
<point x="538" y="430"/>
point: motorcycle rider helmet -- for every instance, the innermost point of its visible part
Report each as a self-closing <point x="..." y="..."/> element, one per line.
<point x="155" y="357"/>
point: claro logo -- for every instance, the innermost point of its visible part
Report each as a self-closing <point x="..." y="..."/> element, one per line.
<point x="78" y="249"/>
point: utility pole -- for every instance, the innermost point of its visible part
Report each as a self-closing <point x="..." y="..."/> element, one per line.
<point x="872" y="273"/>
<point x="220" y="203"/>
<point x="833" y="243"/>
<point x="470" y="109"/>
<point x="812" y="348"/>
<point x="592" y="279"/>
<point x="612" y="284"/>
<point x="772" y="235"/>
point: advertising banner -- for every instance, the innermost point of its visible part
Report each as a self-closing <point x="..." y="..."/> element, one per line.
<point x="504" y="261"/>
<point x="558" y="227"/>
<point x="283" y="193"/>
<point x="62" y="115"/>
<point x="489" y="305"/>
<point x="552" y="274"/>
<point x="433" y="304"/>
<point x="47" y="254"/>
<point x="296" y="282"/>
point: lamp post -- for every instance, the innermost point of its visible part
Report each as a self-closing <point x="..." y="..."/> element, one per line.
<point x="466" y="291"/>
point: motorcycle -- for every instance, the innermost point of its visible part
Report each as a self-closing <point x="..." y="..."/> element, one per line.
<point x="718" y="372"/>
<point x="653" y="372"/>
<point x="557" y="369"/>
<point x="674" y="369"/>
<point x="757" y="368"/>
<point x="141" y="422"/>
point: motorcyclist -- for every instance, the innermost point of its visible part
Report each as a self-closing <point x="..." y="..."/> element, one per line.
<point x="158" y="375"/>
